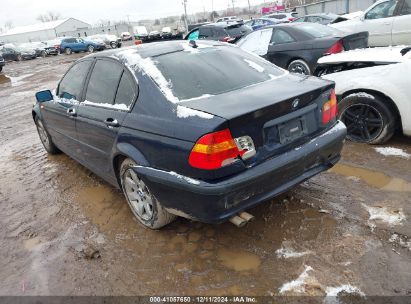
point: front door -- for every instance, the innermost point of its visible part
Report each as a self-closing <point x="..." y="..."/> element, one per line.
<point x="110" y="93"/>
<point x="60" y="114"/>
<point x="401" y="30"/>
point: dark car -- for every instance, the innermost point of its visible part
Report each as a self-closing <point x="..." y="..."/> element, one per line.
<point x="12" y="53"/>
<point x="40" y="48"/>
<point x="2" y="63"/>
<point x="221" y="31"/>
<point x="298" y="46"/>
<point x="324" y="19"/>
<point x="182" y="136"/>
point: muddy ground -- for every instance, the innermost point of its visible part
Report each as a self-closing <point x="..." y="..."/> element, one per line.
<point x="63" y="231"/>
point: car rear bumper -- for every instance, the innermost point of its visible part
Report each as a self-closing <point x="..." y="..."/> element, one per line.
<point x="219" y="201"/>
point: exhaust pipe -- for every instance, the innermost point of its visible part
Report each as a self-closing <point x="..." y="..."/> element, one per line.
<point x="242" y="219"/>
<point x="238" y="221"/>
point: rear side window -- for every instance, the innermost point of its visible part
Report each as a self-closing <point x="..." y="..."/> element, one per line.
<point x="205" y="33"/>
<point x="126" y="92"/>
<point x="406" y="8"/>
<point x="104" y="82"/>
<point x="281" y="37"/>
<point x="71" y="85"/>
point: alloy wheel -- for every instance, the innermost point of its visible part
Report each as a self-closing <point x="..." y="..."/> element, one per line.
<point x="138" y="195"/>
<point x="364" y="122"/>
<point x="42" y="134"/>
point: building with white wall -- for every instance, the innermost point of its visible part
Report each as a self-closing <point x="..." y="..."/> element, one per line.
<point x="46" y="31"/>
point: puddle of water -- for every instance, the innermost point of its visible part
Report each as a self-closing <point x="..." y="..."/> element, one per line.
<point x="373" y="178"/>
<point x="239" y="260"/>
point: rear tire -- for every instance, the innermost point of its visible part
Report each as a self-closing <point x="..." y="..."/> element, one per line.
<point x="43" y="54"/>
<point x="113" y="45"/>
<point x="143" y="204"/>
<point x="45" y="138"/>
<point x="299" y="66"/>
<point x="68" y="51"/>
<point x="90" y="49"/>
<point x="19" y="58"/>
<point x="369" y="119"/>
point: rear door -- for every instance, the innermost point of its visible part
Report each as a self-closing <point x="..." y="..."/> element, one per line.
<point x="378" y="21"/>
<point x="109" y="95"/>
<point x="60" y="115"/>
<point x="279" y="50"/>
<point x="401" y="30"/>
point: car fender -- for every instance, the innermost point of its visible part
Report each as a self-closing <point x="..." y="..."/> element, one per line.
<point x="35" y="112"/>
<point x="129" y="151"/>
<point x="388" y="80"/>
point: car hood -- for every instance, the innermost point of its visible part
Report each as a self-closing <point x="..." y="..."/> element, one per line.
<point x="381" y="54"/>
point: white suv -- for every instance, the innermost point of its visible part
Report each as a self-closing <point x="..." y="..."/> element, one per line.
<point x="387" y="21"/>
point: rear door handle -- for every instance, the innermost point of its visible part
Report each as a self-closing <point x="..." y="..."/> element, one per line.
<point x="71" y="112"/>
<point x="111" y="122"/>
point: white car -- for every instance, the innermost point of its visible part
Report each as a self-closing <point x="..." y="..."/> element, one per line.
<point x="282" y="17"/>
<point x="387" y="21"/>
<point x="373" y="87"/>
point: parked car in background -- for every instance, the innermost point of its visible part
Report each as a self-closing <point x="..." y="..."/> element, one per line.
<point x="40" y="48"/>
<point x="298" y="46"/>
<point x="12" y="53"/>
<point x="166" y="33"/>
<point x="231" y="143"/>
<point x="54" y="43"/>
<point x="111" y="41"/>
<point x="283" y="17"/>
<point x="69" y="45"/>
<point x="324" y="19"/>
<point x="223" y="31"/>
<point x="126" y="36"/>
<point x="373" y="90"/>
<point x="227" y="19"/>
<point x="154" y="36"/>
<point x="258" y="23"/>
<point x="2" y="62"/>
<point x="140" y="33"/>
<point x="387" y="21"/>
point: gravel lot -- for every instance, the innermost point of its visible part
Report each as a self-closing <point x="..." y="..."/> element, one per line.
<point x="64" y="231"/>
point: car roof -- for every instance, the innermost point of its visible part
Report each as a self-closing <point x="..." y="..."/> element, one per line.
<point x="154" y="49"/>
<point x="330" y="15"/>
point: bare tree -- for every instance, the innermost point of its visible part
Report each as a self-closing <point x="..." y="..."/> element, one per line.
<point x="8" y="25"/>
<point x="49" y="16"/>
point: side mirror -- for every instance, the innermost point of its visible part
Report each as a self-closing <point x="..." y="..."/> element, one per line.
<point x="44" y="96"/>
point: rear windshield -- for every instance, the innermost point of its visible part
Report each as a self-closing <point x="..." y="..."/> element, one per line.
<point x="238" y="30"/>
<point x="213" y="71"/>
<point x="318" y="30"/>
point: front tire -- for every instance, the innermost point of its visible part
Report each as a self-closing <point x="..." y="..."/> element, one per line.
<point x="90" y="49"/>
<point x="19" y="58"/>
<point x="43" y="54"/>
<point x="299" y="66"/>
<point x="68" y="51"/>
<point x="368" y="118"/>
<point x="45" y="137"/>
<point x="143" y="204"/>
<point x="113" y="45"/>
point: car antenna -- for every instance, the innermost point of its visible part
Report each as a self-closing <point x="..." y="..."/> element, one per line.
<point x="193" y="44"/>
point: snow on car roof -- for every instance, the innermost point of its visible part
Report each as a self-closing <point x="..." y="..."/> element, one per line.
<point x="380" y="54"/>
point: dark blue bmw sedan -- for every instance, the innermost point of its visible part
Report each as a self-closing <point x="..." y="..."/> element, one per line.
<point x="199" y="130"/>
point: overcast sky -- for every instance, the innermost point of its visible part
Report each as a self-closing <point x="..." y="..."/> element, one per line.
<point x="25" y="12"/>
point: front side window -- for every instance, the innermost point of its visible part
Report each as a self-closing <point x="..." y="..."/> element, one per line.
<point x="103" y="82"/>
<point x="406" y="8"/>
<point x="281" y="37"/>
<point x="72" y="84"/>
<point x="383" y="10"/>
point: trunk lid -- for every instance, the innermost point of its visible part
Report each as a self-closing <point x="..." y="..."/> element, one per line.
<point x="278" y="115"/>
<point x="355" y="41"/>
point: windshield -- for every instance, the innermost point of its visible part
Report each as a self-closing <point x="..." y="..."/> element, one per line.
<point x="213" y="70"/>
<point x="238" y="30"/>
<point x="318" y="30"/>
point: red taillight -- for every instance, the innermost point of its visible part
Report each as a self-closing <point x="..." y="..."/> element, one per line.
<point x="214" y="150"/>
<point x="338" y="47"/>
<point x="228" y="39"/>
<point x="291" y="19"/>
<point x="330" y="108"/>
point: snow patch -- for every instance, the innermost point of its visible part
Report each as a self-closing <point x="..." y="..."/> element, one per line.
<point x="287" y="253"/>
<point x="148" y="66"/>
<point x="390" y="217"/>
<point x="255" y="66"/>
<point x="184" y="112"/>
<point x="390" y="151"/>
<point x="16" y="81"/>
<point x="297" y="285"/>
<point x="122" y="107"/>
<point x="362" y="94"/>
<point x="197" y="98"/>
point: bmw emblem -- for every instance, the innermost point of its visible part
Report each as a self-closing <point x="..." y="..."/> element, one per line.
<point x="296" y="102"/>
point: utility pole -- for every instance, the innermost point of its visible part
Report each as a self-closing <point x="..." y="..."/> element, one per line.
<point x="185" y="15"/>
<point x="249" y="7"/>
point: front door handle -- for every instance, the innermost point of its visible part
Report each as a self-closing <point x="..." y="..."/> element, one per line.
<point x="71" y="112"/>
<point x="111" y="122"/>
